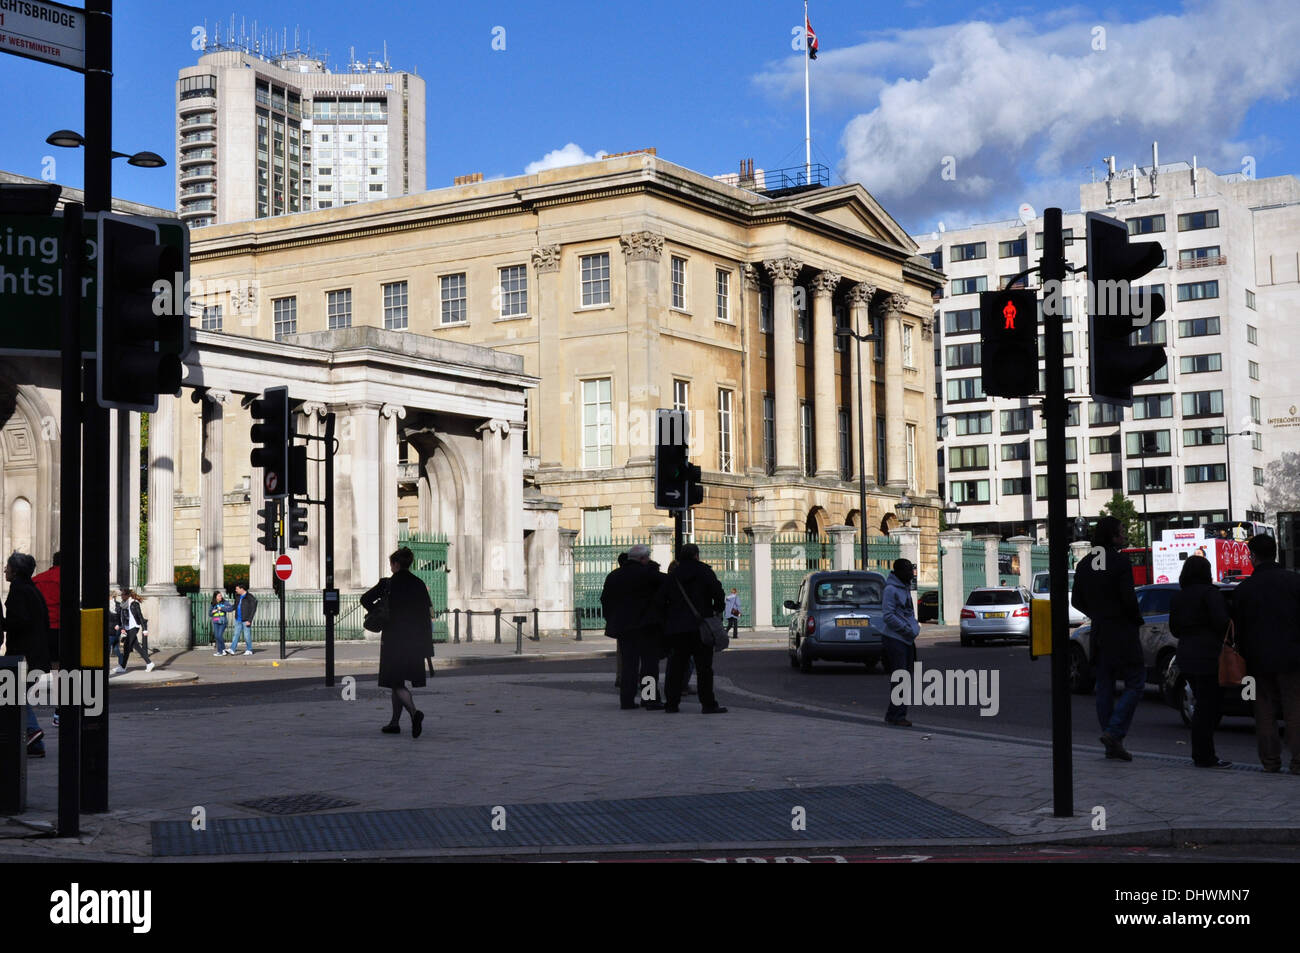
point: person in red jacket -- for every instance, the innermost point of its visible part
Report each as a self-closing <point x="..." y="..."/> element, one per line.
<point x="48" y="585"/>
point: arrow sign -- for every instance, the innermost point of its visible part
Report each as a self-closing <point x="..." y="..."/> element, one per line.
<point x="283" y="567"/>
<point x="672" y="494"/>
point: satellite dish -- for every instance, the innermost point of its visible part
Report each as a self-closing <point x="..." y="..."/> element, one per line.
<point x="1026" y="213"/>
<point x="941" y="226"/>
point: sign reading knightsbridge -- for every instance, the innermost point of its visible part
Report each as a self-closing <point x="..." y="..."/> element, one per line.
<point x="31" y="280"/>
<point x="50" y="32"/>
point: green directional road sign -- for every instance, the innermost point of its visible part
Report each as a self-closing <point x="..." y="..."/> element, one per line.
<point x="31" y="280"/>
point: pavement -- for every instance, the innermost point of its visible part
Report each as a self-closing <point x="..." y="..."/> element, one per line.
<point x="538" y="761"/>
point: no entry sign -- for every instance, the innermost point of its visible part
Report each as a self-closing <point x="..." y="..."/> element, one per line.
<point x="283" y="567"/>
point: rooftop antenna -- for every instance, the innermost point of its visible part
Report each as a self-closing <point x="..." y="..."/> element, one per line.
<point x="1193" y="176"/>
<point x="1155" y="165"/>
<point x="1110" y="179"/>
<point x="1134" y="184"/>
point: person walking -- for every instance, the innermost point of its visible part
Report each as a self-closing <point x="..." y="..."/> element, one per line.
<point x="407" y="637"/>
<point x="628" y="600"/>
<point x="901" y="630"/>
<point x="48" y="584"/>
<point x="731" y="614"/>
<point x="690" y="592"/>
<point x="131" y="625"/>
<point x="27" y="625"/>
<point x="1103" y="591"/>
<point x="609" y="631"/>
<point x="1266" y="614"/>
<point x="245" y="609"/>
<point x="1198" y="619"/>
<point x="217" y="610"/>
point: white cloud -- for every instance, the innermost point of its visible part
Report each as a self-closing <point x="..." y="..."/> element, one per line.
<point x="571" y="154"/>
<point x="1020" y="108"/>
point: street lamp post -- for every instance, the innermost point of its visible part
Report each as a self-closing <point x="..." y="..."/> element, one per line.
<point x="1227" y="447"/>
<point x="862" y="452"/>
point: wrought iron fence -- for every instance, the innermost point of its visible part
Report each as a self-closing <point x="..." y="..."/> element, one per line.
<point x="430" y="565"/>
<point x="731" y="561"/>
<point x="793" y="557"/>
<point x="1038" y="558"/>
<point x="972" y="569"/>
<point x="881" y="553"/>
<point x="304" y="617"/>
<point x="593" y="560"/>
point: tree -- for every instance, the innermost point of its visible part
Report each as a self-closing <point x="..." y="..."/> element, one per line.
<point x="1122" y="508"/>
<point x="1281" y="486"/>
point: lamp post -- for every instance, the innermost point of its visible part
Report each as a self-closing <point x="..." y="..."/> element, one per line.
<point x="1227" y="446"/>
<point x="67" y="139"/>
<point x="862" y="451"/>
<point x="904" y="509"/>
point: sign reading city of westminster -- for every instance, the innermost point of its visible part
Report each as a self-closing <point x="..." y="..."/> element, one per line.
<point x="39" y="30"/>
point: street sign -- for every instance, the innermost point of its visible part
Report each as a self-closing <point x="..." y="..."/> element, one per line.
<point x="283" y="567"/>
<point x="31" y="280"/>
<point x="50" y="32"/>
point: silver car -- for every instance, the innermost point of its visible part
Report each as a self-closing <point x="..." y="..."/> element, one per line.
<point x="998" y="613"/>
<point x="1042" y="586"/>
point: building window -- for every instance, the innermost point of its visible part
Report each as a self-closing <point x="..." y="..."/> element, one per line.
<point x="528" y="421"/>
<point x="455" y="308"/>
<point x="965" y="389"/>
<point x="679" y="283"/>
<point x="395" y="298"/>
<point x="1017" y="421"/>
<point x="338" y="308"/>
<point x="1015" y="451"/>
<point x="1191" y="221"/>
<point x="1198" y="290"/>
<point x="911" y="456"/>
<point x="1254" y="409"/>
<point x="1068" y="345"/>
<point x="1204" y="473"/>
<point x="1148" y="443"/>
<point x="1257" y="475"/>
<point x="801" y="313"/>
<point x="1105" y="480"/>
<point x="969" y="491"/>
<point x="681" y="395"/>
<point x="1066" y="233"/>
<point x="769" y="434"/>
<point x="688" y="525"/>
<point x="211" y="320"/>
<point x="968" y="252"/>
<point x="731" y="525"/>
<point x="596" y="524"/>
<point x="1198" y="327"/>
<point x="1071" y="451"/>
<point x="1015" y="486"/>
<point x="1153" y="333"/>
<point x="1068" y="377"/>
<point x="908" y="358"/>
<point x="595" y="279"/>
<point x="1101" y="415"/>
<point x="1149" y="406"/>
<point x="1071" y="486"/>
<point x="961" y="322"/>
<point x="970" y="286"/>
<point x="1250" y="299"/>
<point x="1257" y="440"/>
<point x="597" y="429"/>
<point x="959" y="356"/>
<point x="846" y="446"/>
<point x="284" y="313"/>
<point x="1106" y="443"/>
<point x="806" y="436"/>
<point x="765" y="309"/>
<point x="1203" y="403"/>
<point x="724" y="431"/>
<point x="1200" y="363"/>
<point x="980" y="421"/>
<point x="1191" y="256"/>
<point x="881" y="449"/>
<point x="1202" y="436"/>
<point x="936" y="259"/>
<point x="1150" y="479"/>
<point x="841" y="317"/>
<point x="1251" y="334"/>
<point x="722" y="290"/>
<point x="1252" y="368"/>
<point x="1146" y="224"/>
<point x="965" y="458"/>
<point x="1072" y="414"/>
<point x="514" y="290"/>
<point x="1012" y="249"/>
<point x="1159" y="376"/>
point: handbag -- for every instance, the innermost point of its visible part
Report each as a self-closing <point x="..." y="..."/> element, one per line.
<point x="712" y="630"/>
<point x="376" y="619"/>
<point x="1232" y="666"/>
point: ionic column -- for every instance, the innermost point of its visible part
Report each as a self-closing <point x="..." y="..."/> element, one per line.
<point x="895" y="418"/>
<point x="494" y="443"/>
<point x="212" y="490"/>
<point x="641" y="254"/>
<point x="784" y="271"/>
<point x="548" y="409"/>
<point x="389" y="415"/>
<point x="863" y="410"/>
<point x="359" y="530"/>
<point x="824" y="402"/>
<point x="160" y="573"/>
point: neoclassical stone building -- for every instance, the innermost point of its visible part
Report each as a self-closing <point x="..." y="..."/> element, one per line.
<point x="625" y="285"/>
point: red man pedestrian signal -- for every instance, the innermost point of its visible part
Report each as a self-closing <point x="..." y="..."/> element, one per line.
<point x="1009" y="312"/>
<point x="1009" y="342"/>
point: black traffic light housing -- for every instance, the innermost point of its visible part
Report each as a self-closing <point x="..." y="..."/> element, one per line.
<point x="140" y="341"/>
<point x="677" y="480"/>
<point x="1116" y="310"/>
<point x="271" y="437"/>
<point x="1009" y="342"/>
<point x="694" y="488"/>
<point x="269" y="526"/>
<point x="295" y="529"/>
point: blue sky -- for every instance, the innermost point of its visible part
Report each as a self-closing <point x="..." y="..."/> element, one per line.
<point x="1018" y="101"/>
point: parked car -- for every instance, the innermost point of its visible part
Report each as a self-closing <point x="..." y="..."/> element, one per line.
<point x="1158" y="646"/>
<point x="997" y="613"/>
<point x="838" y="617"/>
<point x="1040" y="588"/>
<point x="927" y="607"/>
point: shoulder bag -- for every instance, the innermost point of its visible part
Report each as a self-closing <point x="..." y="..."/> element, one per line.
<point x="1232" y="667"/>
<point x="376" y="619"/>
<point x="712" y="630"/>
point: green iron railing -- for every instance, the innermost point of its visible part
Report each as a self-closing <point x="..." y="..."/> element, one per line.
<point x="881" y="553"/>
<point x="430" y="565"/>
<point x="593" y="560"/>
<point x="1038" y="558"/>
<point x="972" y="569"/>
<point x="793" y="557"/>
<point x="304" y="617"/>
<point x="731" y="560"/>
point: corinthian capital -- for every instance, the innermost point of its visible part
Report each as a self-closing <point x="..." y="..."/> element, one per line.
<point x="860" y="295"/>
<point x="546" y="258"/>
<point x="895" y="303"/>
<point x="825" y="283"/>
<point x="783" y="270"/>
<point x="642" y="246"/>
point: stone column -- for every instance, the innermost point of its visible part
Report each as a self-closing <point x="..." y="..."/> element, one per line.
<point x="784" y="271"/>
<point x="548" y="407"/>
<point x="389" y="415"/>
<point x="212" y="490"/>
<point x="842" y="541"/>
<point x="661" y="545"/>
<point x="895" y="415"/>
<point x="360" y="541"/>
<point x="990" y="543"/>
<point x="760" y="563"/>
<point x="825" y="406"/>
<point x="1025" y="545"/>
<point x="494" y="445"/>
<point x="567" y="537"/>
<point x="950" y="549"/>
<point x="641" y="254"/>
<point x="160" y="573"/>
<point x="124" y="497"/>
<point x="864" y="377"/>
<point x="909" y="544"/>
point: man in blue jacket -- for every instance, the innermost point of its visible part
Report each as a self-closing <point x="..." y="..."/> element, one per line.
<point x="901" y="630"/>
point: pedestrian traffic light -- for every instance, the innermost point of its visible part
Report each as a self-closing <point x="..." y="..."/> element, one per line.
<point x="296" y="530"/>
<point x="271" y="438"/>
<point x="140" y="340"/>
<point x="269" y="526"/>
<point x="1009" y="342"/>
<point x="1115" y="361"/>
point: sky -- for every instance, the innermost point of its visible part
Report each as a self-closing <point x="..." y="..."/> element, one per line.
<point x="944" y="111"/>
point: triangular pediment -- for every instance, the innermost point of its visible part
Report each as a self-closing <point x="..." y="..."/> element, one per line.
<point x="853" y="207"/>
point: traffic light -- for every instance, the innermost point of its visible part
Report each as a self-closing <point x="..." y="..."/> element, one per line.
<point x="1009" y="342"/>
<point x="671" y="438"/>
<point x="272" y="434"/>
<point x="694" y="489"/>
<point x="296" y="530"/>
<point x="269" y="526"/>
<point x="297" y="470"/>
<point x="1115" y="363"/>
<point x="140" y="341"/>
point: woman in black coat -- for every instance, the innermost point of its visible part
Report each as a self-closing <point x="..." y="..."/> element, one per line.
<point x="1198" y="619"/>
<point x="407" y="639"/>
<point x="26" y="626"/>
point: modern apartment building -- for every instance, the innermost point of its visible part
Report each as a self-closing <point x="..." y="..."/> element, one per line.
<point x="1204" y="426"/>
<point x="257" y="136"/>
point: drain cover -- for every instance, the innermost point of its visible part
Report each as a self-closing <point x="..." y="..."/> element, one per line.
<point x="297" y="804"/>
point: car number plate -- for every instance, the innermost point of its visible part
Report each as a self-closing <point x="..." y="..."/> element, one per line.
<point x="853" y="623"/>
<point x="995" y="615"/>
<point x="853" y="635"/>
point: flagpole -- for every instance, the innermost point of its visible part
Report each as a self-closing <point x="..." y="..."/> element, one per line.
<point x="807" y="121"/>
